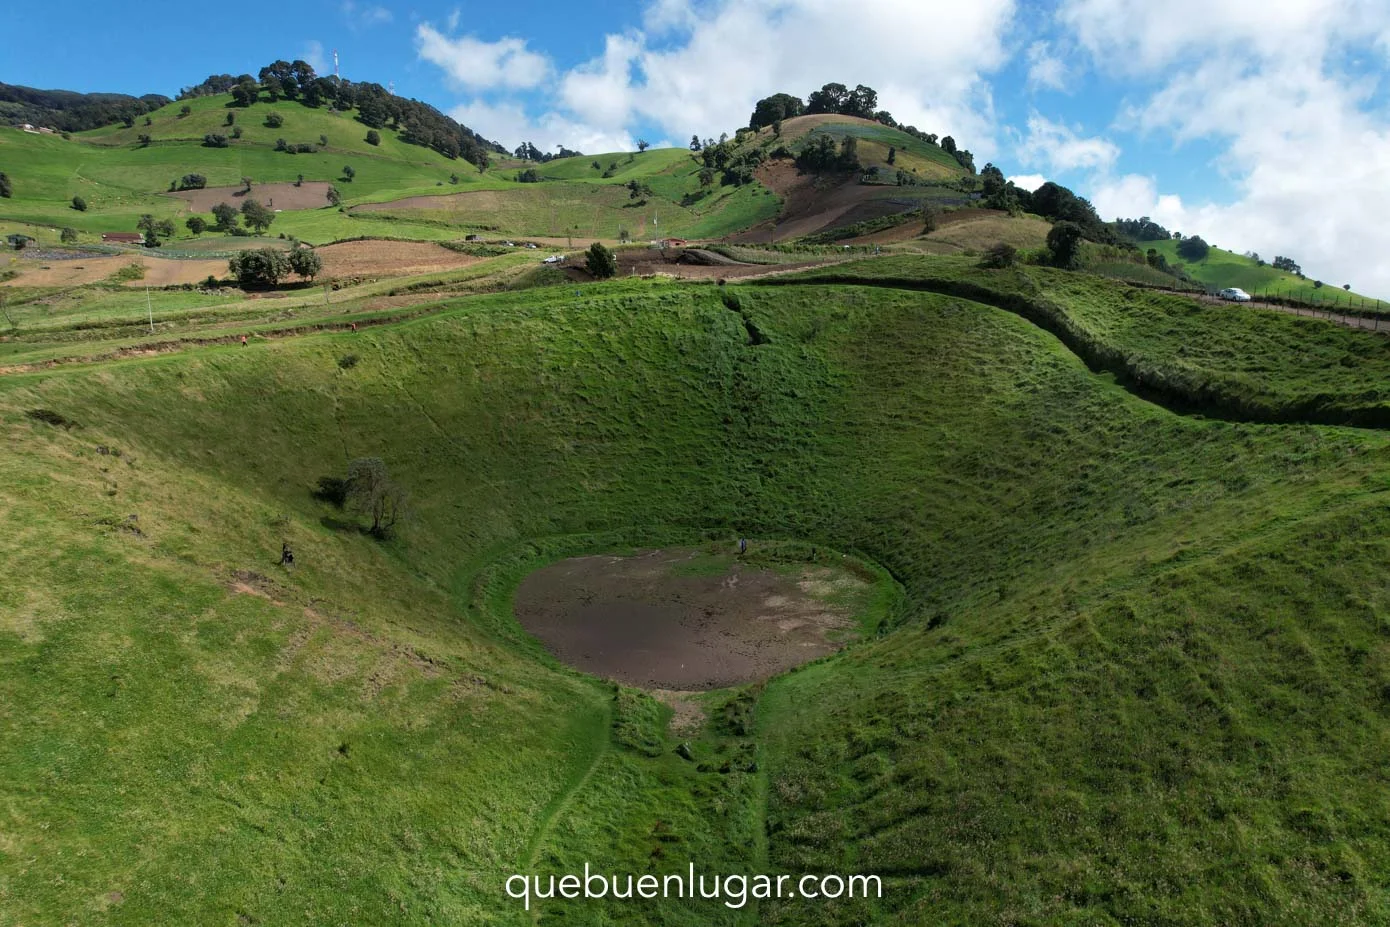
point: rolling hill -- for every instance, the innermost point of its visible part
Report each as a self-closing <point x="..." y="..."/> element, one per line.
<point x="1119" y="650"/>
<point x="1221" y="268"/>
<point x="1116" y="621"/>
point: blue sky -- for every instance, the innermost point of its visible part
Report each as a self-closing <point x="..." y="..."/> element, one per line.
<point x="1260" y="124"/>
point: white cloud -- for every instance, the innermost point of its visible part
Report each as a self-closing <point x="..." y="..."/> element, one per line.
<point x="508" y="123"/>
<point x="1029" y="182"/>
<point x="479" y="65"/>
<point x="1045" y="69"/>
<point x="601" y="92"/>
<point x="1267" y="82"/>
<point x="360" y="15"/>
<point x="685" y="73"/>
<point x="452" y="23"/>
<point x="1053" y="145"/>
<point x="312" y="55"/>
<point x="927" y="62"/>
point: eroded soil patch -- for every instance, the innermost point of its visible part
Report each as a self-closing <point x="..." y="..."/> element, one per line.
<point x="686" y="619"/>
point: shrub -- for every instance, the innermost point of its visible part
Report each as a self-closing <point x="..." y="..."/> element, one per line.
<point x="274" y="120"/>
<point x="49" y="417"/>
<point x="6" y="187"/>
<point x="213" y="140"/>
<point x="347" y="361"/>
<point x="68" y="236"/>
<point x="930" y="218"/>
<point x="331" y="489"/>
<point x="348" y="173"/>
<point x="1000" y="256"/>
<point x="79" y="204"/>
<point x="192" y="182"/>
<point x="601" y="262"/>
<point x="1064" y="244"/>
<point x="373" y="137"/>
<point x="236" y="132"/>
<point x="1193" y="249"/>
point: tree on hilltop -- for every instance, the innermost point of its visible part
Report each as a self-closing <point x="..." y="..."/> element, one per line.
<point x="772" y="110"/>
<point x="245" y="93"/>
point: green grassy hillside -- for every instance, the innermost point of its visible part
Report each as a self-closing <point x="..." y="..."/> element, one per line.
<point x="1220" y="269"/>
<point x="120" y="179"/>
<point x="1137" y="674"/>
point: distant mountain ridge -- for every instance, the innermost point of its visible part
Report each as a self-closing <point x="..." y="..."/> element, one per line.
<point x="70" y="111"/>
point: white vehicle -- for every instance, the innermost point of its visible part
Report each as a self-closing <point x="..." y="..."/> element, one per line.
<point x="1235" y="294"/>
<point x="554" y="259"/>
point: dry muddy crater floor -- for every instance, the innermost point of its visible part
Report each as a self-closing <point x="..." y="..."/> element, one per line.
<point x="688" y="619"/>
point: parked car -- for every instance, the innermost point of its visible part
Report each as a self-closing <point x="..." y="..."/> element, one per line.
<point x="1235" y="294"/>
<point x="554" y="259"/>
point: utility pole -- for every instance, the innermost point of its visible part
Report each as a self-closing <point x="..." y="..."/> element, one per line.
<point x="150" y="306"/>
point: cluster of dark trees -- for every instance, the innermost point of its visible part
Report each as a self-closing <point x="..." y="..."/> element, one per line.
<point x="822" y="154"/>
<point x="67" y="111"/>
<point x="862" y="102"/>
<point x="529" y="152"/>
<point x="733" y="164"/>
<point x="267" y="266"/>
<point x="832" y="98"/>
<point x="418" y="123"/>
<point x="1193" y="248"/>
<point x="155" y="230"/>
<point x="1287" y="264"/>
<point x="1142" y="229"/>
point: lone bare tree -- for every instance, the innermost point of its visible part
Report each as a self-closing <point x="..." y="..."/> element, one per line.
<point x="373" y="493"/>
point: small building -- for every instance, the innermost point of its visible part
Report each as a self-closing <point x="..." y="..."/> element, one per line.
<point x="673" y="242"/>
<point x="122" y="238"/>
<point x="28" y="128"/>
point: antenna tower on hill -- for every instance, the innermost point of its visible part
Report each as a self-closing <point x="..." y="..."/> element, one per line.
<point x="335" y="65"/>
